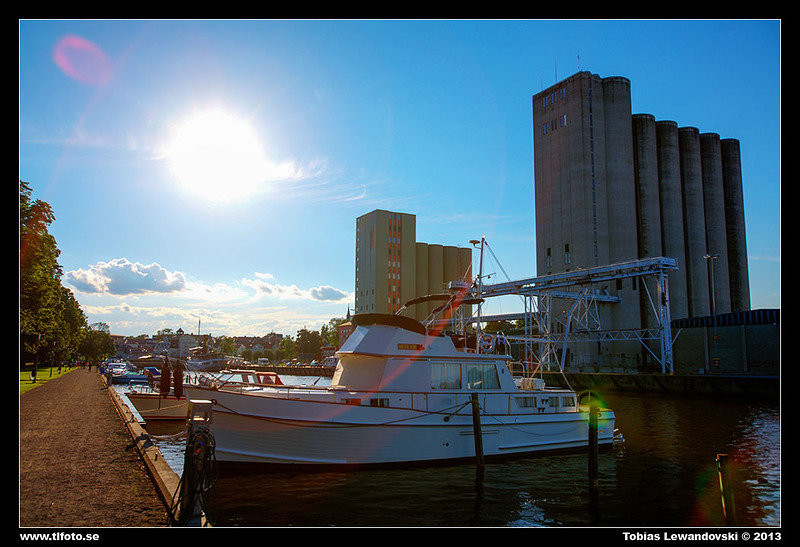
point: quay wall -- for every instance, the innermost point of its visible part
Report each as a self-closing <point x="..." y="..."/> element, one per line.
<point x="720" y="385"/>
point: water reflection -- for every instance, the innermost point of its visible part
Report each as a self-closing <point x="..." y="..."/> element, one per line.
<point x="663" y="475"/>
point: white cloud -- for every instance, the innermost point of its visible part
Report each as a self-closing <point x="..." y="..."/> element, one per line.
<point x="136" y="299"/>
<point x="321" y="293"/>
<point x="122" y="277"/>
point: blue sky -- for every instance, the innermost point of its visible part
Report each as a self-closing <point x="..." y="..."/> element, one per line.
<point x="340" y="118"/>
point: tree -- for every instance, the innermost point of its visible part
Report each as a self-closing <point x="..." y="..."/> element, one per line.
<point x="101" y="326"/>
<point x="494" y="327"/>
<point x="226" y="345"/>
<point x="97" y="344"/>
<point x="51" y="323"/>
<point x="73" y="326"/>
<point x="308" y="343"/>
<point x="286" y="349"/>
<point x="330" y="331"/>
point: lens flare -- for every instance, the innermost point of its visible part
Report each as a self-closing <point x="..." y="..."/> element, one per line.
<point x="82" y="61"/>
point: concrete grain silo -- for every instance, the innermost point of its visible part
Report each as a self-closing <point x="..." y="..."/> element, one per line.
<point x="465" y="271"/>
<point x="716" y="235"/>
<point x="734" y="225"/>
<point x="621" y="206"/>
<point x="648" y="210"/>
<point x="613" y="187"/>
<point x="450" y="264"/>
<point x="694" y="221"/>
<point x="435" y="271"/>
<point x="671" y="203"/>
<point x="421" y="310"/>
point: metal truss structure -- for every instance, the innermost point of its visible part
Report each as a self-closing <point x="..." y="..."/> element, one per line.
<point x="582" y="322"/>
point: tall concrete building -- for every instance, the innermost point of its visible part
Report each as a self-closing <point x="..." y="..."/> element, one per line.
<point x="392" y="267"/>
<point x="613" y="186"/>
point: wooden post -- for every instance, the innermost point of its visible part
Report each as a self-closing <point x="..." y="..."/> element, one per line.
<point x="593" y="415"/>
<point x="476" y="428"/>
<point x="726" y="489"/>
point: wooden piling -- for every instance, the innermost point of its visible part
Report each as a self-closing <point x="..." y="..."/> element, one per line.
<point x="476" y="428"/>
<point x="726" y="490"/>
<point x="594" y="412"/>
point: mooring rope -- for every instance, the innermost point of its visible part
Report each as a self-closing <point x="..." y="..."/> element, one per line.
<point x="342" y="426"/>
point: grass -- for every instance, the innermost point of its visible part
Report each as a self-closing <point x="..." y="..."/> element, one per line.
<point x="42" y="375"/>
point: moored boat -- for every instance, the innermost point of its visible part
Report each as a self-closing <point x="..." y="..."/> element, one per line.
<point x="401" y="393"/>
<point x="152" y="404"/>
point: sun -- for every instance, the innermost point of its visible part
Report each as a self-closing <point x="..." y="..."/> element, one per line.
<point x="217" y="156"/>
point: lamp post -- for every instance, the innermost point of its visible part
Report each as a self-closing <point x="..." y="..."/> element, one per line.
<point x="709" y="257"/>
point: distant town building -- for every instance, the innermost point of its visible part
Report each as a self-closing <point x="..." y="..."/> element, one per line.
<point x="345" y="330"/>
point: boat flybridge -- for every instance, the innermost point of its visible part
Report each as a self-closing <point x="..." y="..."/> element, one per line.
<point x="401" y="393"/>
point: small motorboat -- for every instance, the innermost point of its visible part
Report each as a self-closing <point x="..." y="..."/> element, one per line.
<point x="152" y="404"/>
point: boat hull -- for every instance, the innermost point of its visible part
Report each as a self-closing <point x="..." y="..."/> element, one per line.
<point x="280" y="430"/>
<point x="152" y="406"/>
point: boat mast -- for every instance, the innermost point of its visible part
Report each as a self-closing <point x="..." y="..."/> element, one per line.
<point x="480" y="294"/>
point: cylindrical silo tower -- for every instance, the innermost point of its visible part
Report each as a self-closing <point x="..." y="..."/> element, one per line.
<point x="465" y="271"/>
<point x="421" y="310"/>
<point x="450" y="264"/>
<point x="716" y="234"/>
<point x="648" y="211"/>
<point x="621" y="206"/>
<point x="694" y="221"/>
<point x="435" y="272"/>
<point x="670" y="196"/>
<point x="734" y="225"/>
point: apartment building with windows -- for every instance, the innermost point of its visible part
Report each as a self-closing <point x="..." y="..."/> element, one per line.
<point x="392" y="267"/>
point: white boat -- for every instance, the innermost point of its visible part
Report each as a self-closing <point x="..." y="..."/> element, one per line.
<point x="153" y="405"/>
<point x="202" y="361"/>
<point x="399" y="395"/>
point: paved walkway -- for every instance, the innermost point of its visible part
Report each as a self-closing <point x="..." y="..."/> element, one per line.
<point x="78" y="466"/>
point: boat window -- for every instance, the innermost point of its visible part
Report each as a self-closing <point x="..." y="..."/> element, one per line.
<point x="482" y="376"/>
<point x="379" y="401"/>
<point x="525" y="402"/>
<point x="445" y="375"/>
<point x="567" y="401"/>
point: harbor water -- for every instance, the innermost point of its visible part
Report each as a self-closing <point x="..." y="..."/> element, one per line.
<point x="664" y="474"/>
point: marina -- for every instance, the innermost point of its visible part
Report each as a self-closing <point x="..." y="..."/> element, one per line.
<point x="400" y="274"/>
<point x="664" y="474"/>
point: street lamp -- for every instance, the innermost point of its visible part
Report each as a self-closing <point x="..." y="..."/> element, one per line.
<point x="711" y="258"/>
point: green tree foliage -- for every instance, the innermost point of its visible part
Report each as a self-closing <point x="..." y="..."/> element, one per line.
<point x="330" y="331"/>
<point x="494" y="327"/>
<point x="50" y="318"/>
<point x="226" y="345"/>
<point x="308" y="343"/>
<point x="286" y="349"/>
<point x="97" y="344"/>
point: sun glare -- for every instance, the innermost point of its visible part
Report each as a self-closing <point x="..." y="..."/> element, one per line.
<point x="217" y="156"/>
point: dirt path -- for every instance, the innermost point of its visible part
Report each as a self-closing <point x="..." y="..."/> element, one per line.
<point x="77" y="464"/>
